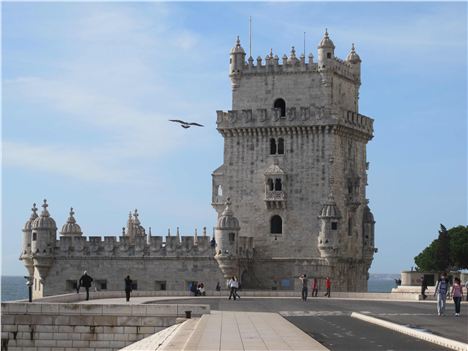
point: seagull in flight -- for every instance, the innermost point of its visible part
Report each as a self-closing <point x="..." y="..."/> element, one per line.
<point x="186" y="125"/>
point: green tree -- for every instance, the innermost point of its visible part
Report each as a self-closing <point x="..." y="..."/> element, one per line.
<point x="448" y="251"/>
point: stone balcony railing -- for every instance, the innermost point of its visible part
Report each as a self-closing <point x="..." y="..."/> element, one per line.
<point x="298" y="117"/>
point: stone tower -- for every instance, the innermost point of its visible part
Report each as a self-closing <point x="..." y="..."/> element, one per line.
<point x="295" y="167"/>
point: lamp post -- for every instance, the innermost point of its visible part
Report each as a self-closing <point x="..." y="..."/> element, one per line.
<point x="29" y="284"/>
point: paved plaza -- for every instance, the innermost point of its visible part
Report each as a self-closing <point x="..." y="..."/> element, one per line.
<point x="328" y="320"/>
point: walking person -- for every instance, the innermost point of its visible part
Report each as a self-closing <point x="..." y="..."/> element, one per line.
<point x="423" y="287"/>
<point x="305" y="282"/>
<point x="128" y="287"/>
<point x="233" y="284"/>
<point x="442" y="289"/>
<point x="85" y="282"/>
<point x="314" y="287"/>
<point x="457" y="295"/>
<point x="328" y="286"/>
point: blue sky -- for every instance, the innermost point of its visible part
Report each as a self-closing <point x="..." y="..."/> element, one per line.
<point x="88" y="89"/>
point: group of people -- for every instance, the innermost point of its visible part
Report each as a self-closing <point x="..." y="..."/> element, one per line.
<point x="442" y="291"/>
<point x="314" y="286"/>
<point x="197" y="289"/>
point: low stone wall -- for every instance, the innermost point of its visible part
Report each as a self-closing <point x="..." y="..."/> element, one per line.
<point x="58" y="326"/>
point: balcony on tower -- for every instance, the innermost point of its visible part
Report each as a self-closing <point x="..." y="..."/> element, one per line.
<point x="275" y="194"/>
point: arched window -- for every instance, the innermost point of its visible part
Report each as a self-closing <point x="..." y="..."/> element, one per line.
<point x="350" y="226"/>
<point x="270" y="184"/>
<point x="232" y="237"/>
<point x="34" y="238"/>
<point x="278" y="184"/>
<point x="220" y="190"/>
<point x="272" y="146"/>
<point x="281" y="146"/>
<point x="276" y="225"/>
<point x="281" y="104"/>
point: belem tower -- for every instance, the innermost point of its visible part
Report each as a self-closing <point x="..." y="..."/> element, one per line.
<point x="290" y="195"/>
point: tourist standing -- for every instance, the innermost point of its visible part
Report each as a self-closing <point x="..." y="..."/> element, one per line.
<point x="305" y="282"/>
<point x="85" y="282"/>
<point x="457" y="294"/>
<point x="328" y="286"/>
<point x="128" y="287"/>
<point x="218" y="287"/>
<point x="314" y="287"/>
<point x="441" y="290"/>
<point x="233" y="285"/>
<point x="423" y="287"/>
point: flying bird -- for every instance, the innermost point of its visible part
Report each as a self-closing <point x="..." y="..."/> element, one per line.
<point x="184" y="124"/>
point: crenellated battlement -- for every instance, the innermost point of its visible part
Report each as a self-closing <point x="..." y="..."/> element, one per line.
<point x="299" y="119"/>
<point x="149" y="246"/>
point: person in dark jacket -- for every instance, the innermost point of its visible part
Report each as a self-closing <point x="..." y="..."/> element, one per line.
<point x="128" y="287"/>
<point x="85" y="282"/>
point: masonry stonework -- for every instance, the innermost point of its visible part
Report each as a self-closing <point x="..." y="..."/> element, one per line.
<point x="290" y="194"/>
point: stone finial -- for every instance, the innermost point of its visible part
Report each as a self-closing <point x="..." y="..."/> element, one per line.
<point x="44" y="212"/>
<point x="34" y="211"/>
<point x="149" y="231"/>
<point x="123" y="231"/>
<point x="196" y="232"/>
<point x="135" y="217"/>
<point x="238" y="41"/>
<point x="168" y="231"/>
<point x="204" y="231"/>
<point x="293" y="52"/>
<point x="178" y="233"/>
<point x="71" y="219"/>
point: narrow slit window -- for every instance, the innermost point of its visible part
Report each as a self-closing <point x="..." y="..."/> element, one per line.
<point x="281" y="146"/>
<point x="272" y="146"/>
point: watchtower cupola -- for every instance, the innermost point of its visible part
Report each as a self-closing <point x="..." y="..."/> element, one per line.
<point x="328" y="240"/>
<point x="355" y="61"/>
<point x="71" y="228"/>
<point x="236" y="63"/>
<point x="326" y="51"/>
<point x="26" y="248"/>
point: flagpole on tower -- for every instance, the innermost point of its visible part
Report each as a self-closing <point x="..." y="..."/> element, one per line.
<point x="250" y="36"/>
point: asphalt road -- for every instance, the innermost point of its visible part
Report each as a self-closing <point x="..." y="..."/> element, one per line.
<point x="329" y="322"/>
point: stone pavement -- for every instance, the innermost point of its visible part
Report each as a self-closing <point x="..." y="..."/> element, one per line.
<point x="328" y="320"/>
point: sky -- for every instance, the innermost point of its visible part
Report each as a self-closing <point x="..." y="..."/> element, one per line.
<point x="87" y="89"/>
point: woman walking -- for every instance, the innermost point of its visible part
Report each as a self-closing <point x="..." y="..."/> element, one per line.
<point x="457" y="294"/>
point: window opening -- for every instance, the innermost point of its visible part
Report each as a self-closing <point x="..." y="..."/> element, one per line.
<point x="232" y="237"/>
<point x="281" y="146"/>
<point x="270" y="184"/>
<point x="272" y="146"/>
<point x="278" y="185"/>
<point x="276" y="224"/>
<point x="34" y="236"/>
<point x="281" y="104"/>
<point x="334" y="225"/>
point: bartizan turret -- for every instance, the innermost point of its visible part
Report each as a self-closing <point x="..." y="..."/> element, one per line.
<point x="44" y="232"/>
<point x="71" y="228"/>
<point x="326" y="52"/>
<point x="236" y="64"/>
<point x="328" y="240"/>
<point x="368" y="224"/>
<point x="26" y="256"/>
<point x="355" y="61"/>
<point x="227" y="238"/>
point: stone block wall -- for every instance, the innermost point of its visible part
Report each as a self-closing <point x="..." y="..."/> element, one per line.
<point x="56" y="326"/>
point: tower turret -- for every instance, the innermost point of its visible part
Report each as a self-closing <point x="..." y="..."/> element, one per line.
<point x="71" y="228"/>
<point x="368" y="224"/>
<point x="355" y="61"/>
<point x="26" y="248"/>
<point x="326" y="51"/>
<point x="227" y="239"/>
<point x="236" y="63"/>
<point x="328" y="240"/>
<point x="44" y="232"/>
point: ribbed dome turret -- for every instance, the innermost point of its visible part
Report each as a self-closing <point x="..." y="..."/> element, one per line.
<point x="326" y="42"/>
<point x="329" y="209"/>
<point x="352" y="56"/>
<point x="71" y="228"/>
<point x="368" y="217"/>
<point x="29" y="222"/>
<point x="227" y="219"/>
<point x="44" y="221"/>
<point x="238" y="48"/>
